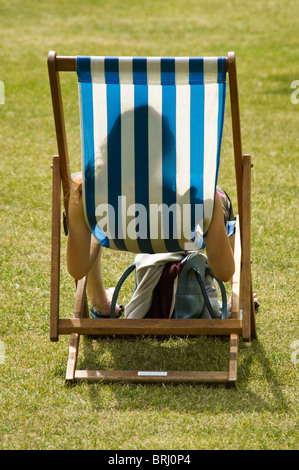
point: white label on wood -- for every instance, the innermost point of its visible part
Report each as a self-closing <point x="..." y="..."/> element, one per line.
<point x="153" y="374"/>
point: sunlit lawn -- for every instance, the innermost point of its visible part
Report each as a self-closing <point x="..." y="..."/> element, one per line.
<point x="37" y="409"/>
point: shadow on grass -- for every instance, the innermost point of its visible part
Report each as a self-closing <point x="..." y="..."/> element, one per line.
<point x="258" y="388"/>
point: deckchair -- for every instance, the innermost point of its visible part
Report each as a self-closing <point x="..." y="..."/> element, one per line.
<point x="153" y="126"/>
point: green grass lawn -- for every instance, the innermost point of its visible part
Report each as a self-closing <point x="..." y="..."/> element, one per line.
<point x="37" y="409"/>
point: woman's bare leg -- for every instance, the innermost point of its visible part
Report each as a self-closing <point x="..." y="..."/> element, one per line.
<point x="98" y="295"/>
<point x="81" y="251"/>
<point x="218" y="247"/>
<point x="84" y="253"/>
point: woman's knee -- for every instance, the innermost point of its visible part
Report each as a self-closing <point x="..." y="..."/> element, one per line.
<point x="80" y="259"/>
<point x="76" y="269"/>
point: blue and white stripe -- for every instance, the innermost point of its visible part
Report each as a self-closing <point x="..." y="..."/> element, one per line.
<point x="151" y="130"/>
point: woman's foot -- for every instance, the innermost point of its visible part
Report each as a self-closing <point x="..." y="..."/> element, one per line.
<point x="102" y="306"/>
<point x="255" y="301"/>
<point x="96" y="314"/>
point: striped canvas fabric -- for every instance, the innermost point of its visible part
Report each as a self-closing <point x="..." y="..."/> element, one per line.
<point x="151" y="133"/>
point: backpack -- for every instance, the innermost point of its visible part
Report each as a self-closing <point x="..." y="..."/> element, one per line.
<point x="196" y="294"/>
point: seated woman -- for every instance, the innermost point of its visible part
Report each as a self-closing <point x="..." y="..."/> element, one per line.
<point x="84" y="252"/>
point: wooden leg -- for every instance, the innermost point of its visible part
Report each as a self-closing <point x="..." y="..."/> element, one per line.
<point x="80" y="311"/>
<point x="233" y="358"/>
<point x="55" y="250"/>
<point x="246" y="286"/>
<point x="235" y="297"/>
<point x="73" y="356"/>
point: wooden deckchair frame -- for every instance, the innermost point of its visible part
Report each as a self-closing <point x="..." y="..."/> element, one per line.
<point x="239" y="325"/>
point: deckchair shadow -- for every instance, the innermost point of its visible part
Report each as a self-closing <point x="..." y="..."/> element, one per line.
<point x="182" y="98"/>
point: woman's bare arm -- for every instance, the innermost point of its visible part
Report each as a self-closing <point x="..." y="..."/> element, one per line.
<point x="218" y="247"/>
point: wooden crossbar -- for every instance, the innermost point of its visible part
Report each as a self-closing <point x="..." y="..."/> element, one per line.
<point x="134" y="376"/>
<point x="68" y="64"/>
<point x="149" y="326"/>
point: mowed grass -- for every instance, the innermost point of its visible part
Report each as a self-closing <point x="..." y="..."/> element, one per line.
<point x="37" y="409"/>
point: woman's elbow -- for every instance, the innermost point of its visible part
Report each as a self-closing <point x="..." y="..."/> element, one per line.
<point x="229" y="272"/>
<point x="224" y="271"/>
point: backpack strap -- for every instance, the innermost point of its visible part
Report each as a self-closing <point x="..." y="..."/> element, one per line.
<point x="205" y="295"/>
<point x="124" y="276"/>
<point x="223" y="293"/>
